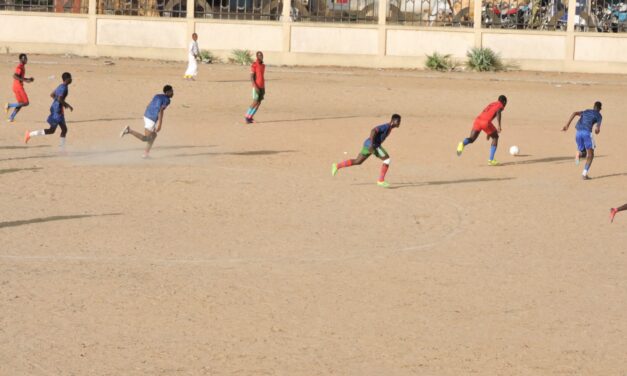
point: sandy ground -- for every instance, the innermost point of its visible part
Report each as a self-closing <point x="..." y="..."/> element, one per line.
<point x="234" y="252"/>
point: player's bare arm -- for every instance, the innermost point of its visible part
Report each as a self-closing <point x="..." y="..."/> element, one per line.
<point x="160" y="118"/>
<point x="576" y="113"/>
<point x="373" y="134"/>
<point x="498" y="119"/>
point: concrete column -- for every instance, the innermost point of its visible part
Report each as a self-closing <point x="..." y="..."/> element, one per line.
<point x="570" y="34"/>
<point x="92" y="26"/>
<point x="191" y="23"/>
<point x="382" y="12"/>
<point x="477" y="6"/>
<point x="286" y="21"/>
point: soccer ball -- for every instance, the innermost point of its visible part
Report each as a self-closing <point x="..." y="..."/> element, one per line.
<point x="514" y="150"/>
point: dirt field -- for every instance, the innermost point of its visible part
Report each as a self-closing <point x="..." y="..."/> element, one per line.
<point x="233" y="250"/>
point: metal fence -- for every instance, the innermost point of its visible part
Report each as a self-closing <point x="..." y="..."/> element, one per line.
<point x="269" y="10"/>
<point x="148" y="8"/>
<point x="52" y="6"/>
<point x="525" y="14"/>
<point x="602" y="16"/>
<point x="339" y="11"/>
<point x="431" y="12"/>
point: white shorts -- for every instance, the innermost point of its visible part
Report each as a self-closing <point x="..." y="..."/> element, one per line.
<point x="150" y="125"/>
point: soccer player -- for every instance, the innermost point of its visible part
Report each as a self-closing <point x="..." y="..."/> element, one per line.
<point x="373" y="145"/>
<point x="57" y="112"/>
<point x="193" y="53"/>
<point x="18" y="88"/>
<point x="583" y="137"/>
<point x="153" y="119"/>
<point x="613" y="211"/>
<point x="257" y="70"/>
<point x="483" y="122"/>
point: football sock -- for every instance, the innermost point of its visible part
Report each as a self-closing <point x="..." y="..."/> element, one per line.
<point x="384" y="170"/>
<point x="466" y="141"/>
<point x="37" y="133"/>
<point x="346" y="163"/>
<point x="492" y="152"/>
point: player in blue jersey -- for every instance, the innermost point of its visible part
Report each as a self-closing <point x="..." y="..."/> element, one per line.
<point x="57" y="111"/>
<point x="372" y="145"/>
<point x="153" y="118"/>
<point x="583" y="137"/>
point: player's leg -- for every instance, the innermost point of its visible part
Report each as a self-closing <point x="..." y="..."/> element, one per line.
<point x="53" y="121"/>
<point x="63" y="127"/>
<point x="613" y="211"/>
<point x="474" y="133"/>
<point x="586" y="168"/>
<point x="383" y="155"/>
<point x="150" y="139"/>
<point x="581" y="147"/>
<point x="22" y="101"/>
<point x="361" y="157"/>
<point x="495" y="143"/>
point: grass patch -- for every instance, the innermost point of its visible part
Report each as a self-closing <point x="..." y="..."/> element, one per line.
<point x="208" y="57"/>
<point x="242" y="57"/>
<point x="484" y="60"/>
<point x="440" y="63"/>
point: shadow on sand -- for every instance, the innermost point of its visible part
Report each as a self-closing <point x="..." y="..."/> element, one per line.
<point x="309" y="119"/>
<point x="10" y="170"/>
<point x="51" y="219"/>
<point x="446" y="182"/>
<point x="236" y="153"/>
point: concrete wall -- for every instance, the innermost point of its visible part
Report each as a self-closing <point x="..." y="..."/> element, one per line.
<point x="381" y="45"/>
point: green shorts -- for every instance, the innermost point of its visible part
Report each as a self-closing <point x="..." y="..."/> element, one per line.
<point x="380" y="151"/>
<point x="258" y="96"/>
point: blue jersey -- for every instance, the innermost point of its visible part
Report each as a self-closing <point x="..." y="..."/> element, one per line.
<point x="60" y="92"/>
<point x="158" y="102"/>
<point x="588" y="119"/>
<point x="383" y="131"/>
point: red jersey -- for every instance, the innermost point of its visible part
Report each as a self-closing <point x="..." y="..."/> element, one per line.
<point x="490" y="112"/>
<point x="259" y="69"/>
<point x="20" y="71"/>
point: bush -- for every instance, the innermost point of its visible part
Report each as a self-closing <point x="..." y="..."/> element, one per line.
<point x="208" y="57"/>
<point x="441" y="63"/>
<point x="243" y="57"/>
<point x="484" y="60"/>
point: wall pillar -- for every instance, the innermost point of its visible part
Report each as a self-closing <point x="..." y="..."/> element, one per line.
<point x="92" y="26"/>
<point x="477" y="5"/>
<point x="570" y="34"/>
<point x="382" y="12"/>
<point x="286" y="22"/>
<point x="191" y="22"/>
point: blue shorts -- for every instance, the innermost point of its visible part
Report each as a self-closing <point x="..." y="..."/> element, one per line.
<point x="56" y="119"/>
<point x="584" y="140"/>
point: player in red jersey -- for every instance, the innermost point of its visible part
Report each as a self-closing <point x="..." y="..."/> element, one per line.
<point x="257" y="72"/>
<point x="613" y="211"/>
<point x="18" y="88"/>
<point x="483" y="122"/>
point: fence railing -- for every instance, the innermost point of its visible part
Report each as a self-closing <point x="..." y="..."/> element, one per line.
<point x="50" y="6"/>
<point x="602" y="16"/>
<point x="431" y="12"/>
<point x="148" y="8"/>
<point x="526" y="14"/>
<point x="269" y="10"/>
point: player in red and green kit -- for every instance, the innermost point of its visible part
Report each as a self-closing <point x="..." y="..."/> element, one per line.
<point x="483" y="122"/>
<point x="372" y="145"/>
<point x="18" y="88"/>
<point x="257" y="72"/>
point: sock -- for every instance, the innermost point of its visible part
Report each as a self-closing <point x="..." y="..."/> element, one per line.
<point x="249" y="112"/>
<point x="585" y="170"/>
<point x="254" y="111"/>
<point x="492" y="152"/>
<point x="12" y="105"/>
<point x="384" y="170"/>
<point x="466" y="141"/>
<point x="37" y="133"/>
<point x="62" y="142"/>
<point x="346" y="163"/>
<point x="12" y="117"/>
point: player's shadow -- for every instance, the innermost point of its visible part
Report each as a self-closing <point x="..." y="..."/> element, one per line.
<point x="23" y="147"/>
<point x="30" y="157"/>
<point x="10" y="170"/>
<point x="308" y="119"/>
<point x="103" y="119"/>
<point x="609" y="176"/>
<point x="236" y="153"/>
<point x="51" y="219"/>
<point x="539" y="160"/>
<point x="138" y="148"/>
<point x="446" y="182"/>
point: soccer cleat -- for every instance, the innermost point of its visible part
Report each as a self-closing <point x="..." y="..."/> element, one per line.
<point x="145" y="155"/>
<point x="383" y="184"/>
<point x="125" y="131"/>
<point x="493" y="162"/>
<point x="585" y="177"/>
<point x="6" y="108"/>
<point x="26" y="137"/>
<point x="460" y="148"/>
<point x="249" y="120"/>
<point x="613" y="212"/>
<point x="333" y="169"/>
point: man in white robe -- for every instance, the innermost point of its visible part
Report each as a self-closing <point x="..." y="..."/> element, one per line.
<point x="193" y="54"/>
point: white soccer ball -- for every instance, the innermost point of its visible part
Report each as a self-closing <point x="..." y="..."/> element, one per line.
<point x="514" y="150"/>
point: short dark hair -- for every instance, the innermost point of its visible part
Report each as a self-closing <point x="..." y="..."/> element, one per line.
<point x="166" y="88"/>
<point x="502" y="99"/>
<point x="66" y="76"/>
<point x="22" y="55"/>
<point x="598" y="105"/>
<point x="396" y="117"/>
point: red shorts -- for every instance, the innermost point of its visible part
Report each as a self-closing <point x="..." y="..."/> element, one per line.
<point x="486" y="126"/>
<point x="20" y="94"/>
